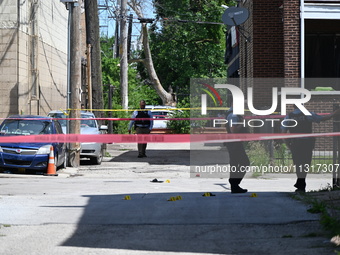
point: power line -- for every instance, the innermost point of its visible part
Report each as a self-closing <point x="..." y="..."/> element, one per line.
<point x="151" y="20"/>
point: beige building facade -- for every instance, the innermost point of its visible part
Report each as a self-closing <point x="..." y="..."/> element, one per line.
<point x="33" y="56"/>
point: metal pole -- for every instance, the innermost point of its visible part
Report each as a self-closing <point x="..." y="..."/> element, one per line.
<point x="336" y="143"/>
<point x="110" y="108"/>
<point x="123" y="55"/>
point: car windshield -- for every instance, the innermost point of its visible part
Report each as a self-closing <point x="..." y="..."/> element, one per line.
<point x="159" y="114"/>
<point x="61" y="118"/>
<point x="25" y="127"/>
<point x="86" y="121"/>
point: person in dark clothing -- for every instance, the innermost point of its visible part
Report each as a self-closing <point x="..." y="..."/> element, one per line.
<point x="238" y="157"/>
<point x="302" y="148"/>
<point x="141" y="126"/>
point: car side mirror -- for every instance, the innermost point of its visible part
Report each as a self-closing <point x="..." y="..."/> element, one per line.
<point x="103" y="127"/>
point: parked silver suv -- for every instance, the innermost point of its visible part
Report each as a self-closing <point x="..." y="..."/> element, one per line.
<point x="88" y="125"/>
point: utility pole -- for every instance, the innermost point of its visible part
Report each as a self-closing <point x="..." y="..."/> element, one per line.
<point x="123" y="55"/>
<point x="116" y="43"/>
<point x="74" y="77"/>
<point x="129" y="37"/>
<point x="93" y="41"/>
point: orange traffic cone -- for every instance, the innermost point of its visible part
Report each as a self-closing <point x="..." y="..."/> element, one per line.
<point x="51" y="167"/>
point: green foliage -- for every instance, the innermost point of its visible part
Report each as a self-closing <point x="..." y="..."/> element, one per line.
<point x="317" y="207"/>
<point x="329" y="223"/>
<point x="106" y="46"/>
<point x="184" y="50"/>
<point x="257" y="153"/>
<point x="180" y="50"/>
<point x="121" y="126"/>
<point x="137" y="90"/>
<point x="282" y="153"/>
<point x="180" y="126"/>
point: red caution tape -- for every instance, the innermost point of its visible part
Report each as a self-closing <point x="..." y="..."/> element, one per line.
<point x="165" y="118"/>
<point x="154" y="138"/>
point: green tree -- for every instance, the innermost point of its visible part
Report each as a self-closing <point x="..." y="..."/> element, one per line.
<point x="137" y="90"/>
<point x="184" y="46"/>
<point x="147" y="60"/>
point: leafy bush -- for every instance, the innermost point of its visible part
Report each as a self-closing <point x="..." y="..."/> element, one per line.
<point x="257" y="154"/>
<point x="180" y="126"/>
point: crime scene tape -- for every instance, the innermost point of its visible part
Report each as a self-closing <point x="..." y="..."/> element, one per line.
<point x="155" y="138"/>
<point x="154" y="119"/>
<point x="117" y="119"/>
<point x="167" y="118"/>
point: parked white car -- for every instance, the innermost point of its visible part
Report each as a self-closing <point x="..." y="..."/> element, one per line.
<point x="160" y="114"/>
<point x="88" y="125"/>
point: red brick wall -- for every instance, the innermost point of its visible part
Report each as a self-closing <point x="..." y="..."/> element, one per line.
<point x="246" y="48"/>
<point x="291" y="38"/>
<point x="268" y="39"/>
<point x="274" y="51"/>
<point x="263" y="55"/>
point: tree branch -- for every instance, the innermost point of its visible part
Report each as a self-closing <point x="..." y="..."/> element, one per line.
<point x="137" y="60"/>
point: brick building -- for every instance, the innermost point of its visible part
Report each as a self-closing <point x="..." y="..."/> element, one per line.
<point x="33" y="56"/>
<point x="289" y="39"/>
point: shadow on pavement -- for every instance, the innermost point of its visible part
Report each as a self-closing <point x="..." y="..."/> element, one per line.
<point x="157" y="157"/>
<point x="175" y="157"/>
<point x="220" y="224"/>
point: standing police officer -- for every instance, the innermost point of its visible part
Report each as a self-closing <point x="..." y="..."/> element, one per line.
<point x="302" y="148"/>
<point x="141" y="126"/>
<point x="238" y="157"/>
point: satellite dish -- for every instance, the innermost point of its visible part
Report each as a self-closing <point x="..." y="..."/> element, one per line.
<point x="235" y="16"/>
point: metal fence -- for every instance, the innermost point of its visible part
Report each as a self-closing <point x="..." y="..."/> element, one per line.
<point x="336" y="146"/>
<point x="326" y="156"/>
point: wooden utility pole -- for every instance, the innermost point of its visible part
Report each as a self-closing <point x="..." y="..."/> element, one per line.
<point x="92" y="38"/>
<point x="123" y="55"/>
<point x="75" y="80"/>
<point x="88" y="74"/>
<point x="116" y="43"/>
<point x="129" y="37"/>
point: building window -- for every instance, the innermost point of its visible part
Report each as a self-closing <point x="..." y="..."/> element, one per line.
<point x="322" y="53"/>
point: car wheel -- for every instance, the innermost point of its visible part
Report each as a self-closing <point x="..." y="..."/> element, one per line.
<point x="97" y="160"/>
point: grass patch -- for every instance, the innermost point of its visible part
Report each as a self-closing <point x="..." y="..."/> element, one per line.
<point x="317" y="207"/>
<point x="329" y="223"/>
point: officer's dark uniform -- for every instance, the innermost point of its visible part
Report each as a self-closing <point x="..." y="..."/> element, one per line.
<point x="142" y="127"/>
<point x="239" y="160"/>
<point x="301" y="148"/>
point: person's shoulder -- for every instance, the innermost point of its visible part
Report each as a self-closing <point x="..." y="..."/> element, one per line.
<point x="315" y="117"/>
<point x="234" y="117"/>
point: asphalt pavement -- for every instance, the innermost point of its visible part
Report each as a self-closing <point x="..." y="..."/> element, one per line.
<point x="117" y="208"/>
